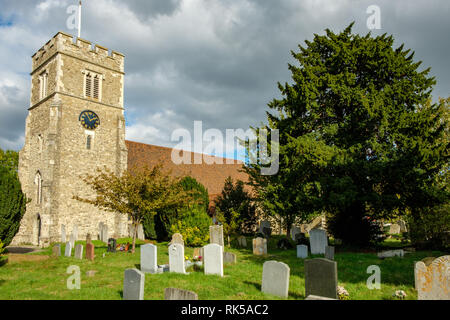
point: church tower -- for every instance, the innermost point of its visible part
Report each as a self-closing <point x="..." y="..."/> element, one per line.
<point x="75" y="124"/>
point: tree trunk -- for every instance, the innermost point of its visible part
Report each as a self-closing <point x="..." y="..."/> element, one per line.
<point x="134" y="236"/>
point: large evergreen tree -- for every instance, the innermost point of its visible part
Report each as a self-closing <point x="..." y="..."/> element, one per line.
<point x="12" y="204"/>
<point x="358" y="139"/>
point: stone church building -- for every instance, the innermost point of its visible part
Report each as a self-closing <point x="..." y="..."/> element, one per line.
<point x="76" y="124"/>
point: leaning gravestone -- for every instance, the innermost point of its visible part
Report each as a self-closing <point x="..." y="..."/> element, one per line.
<point x="318" y="241"/>
<point x="179" y="294"/>
<point x="112" y="243"/>
<point x="321" y="278"/>
<point x="216" y="235"/>
<point x="149" y="258"/>
<point x="63" y="233"/>
<point x="259" y="246"/>
<point x="90" y="249"/>
<point x="242" y="241"/>
<point x="213" y="260"/>
<point x="56" y="250"/>
<point x="275" y="278"/>
<point x="433" y="281"/>
<point x="329" y="252"/>
<point x="176" y="258"/>
<point x="229" y="257"/>
<point x="79" y="251"/>
<point x="302" y="251"/>
<point x="68" y="251"/>
<point x="133" y="285"/>
<point x="177" y="238"/>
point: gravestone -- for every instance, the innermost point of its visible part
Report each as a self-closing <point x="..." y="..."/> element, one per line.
<point x="433" y="281"/>
<point x="267" y="232"/>
<point x="294" y="231"/>
<point x="229" y="257"/>
<point x="284" y="244"/>
<point x="63" y="233"/>
<point x="105" y="233"/>
<point x="112" y="243"/>
<point x="179" y="294"/>
<point x="56" y="252"/>
<point x="68" y="251"/>
<point x="318" y="241"/>
<point x="213" y="260"/>
<point x="72" y="240"/>
<point x="79" y="251"/>
<point x="100" y="231"/>
<point x="75" y="232"/>
<point x="177" y="238"/>
<point x="216" y="235"/>
<point x="149" y="258"/>
<point x="88" y="238"/>
<point x="391" y="253"/>
<point x="321" y="278"/>
<point x="90" y="249"/>
<point x="242" y="241"/>
<point x="302" y="251"/>
<point x="263" y="224"/>
<point x="275" y="278"/>
<point x="402" y="225"/>
<point x="133" y="285"/>
<point x="329" y="252"/>
<point x="259" y="246"/>
<point x="300" y="238"/>
<point x="176" y="258"/>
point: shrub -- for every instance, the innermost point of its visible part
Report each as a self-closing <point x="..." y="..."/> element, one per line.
<point x="12" y="204"/>
<point x="193" y="226"/>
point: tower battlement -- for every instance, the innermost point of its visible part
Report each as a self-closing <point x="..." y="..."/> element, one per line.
<point x="64" y="43"/>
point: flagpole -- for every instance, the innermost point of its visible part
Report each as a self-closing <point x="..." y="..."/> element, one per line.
<point x="79" y="20"/>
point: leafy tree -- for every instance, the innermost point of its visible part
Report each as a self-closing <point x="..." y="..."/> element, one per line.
<point x="358" y="136"/>
<point x="12" y="204"/>
<point x="137" y="193"/>
<point x="232" y="225"/>
<point x="235" y="200"/>
<point x="9" y="159"/>
<point x="193" y="225"/>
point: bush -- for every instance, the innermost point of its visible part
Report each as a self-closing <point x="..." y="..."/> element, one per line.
<point x="193" y="226"/>
<point x="160" y="225"/>
<point x="430" y="228"/>
<point x="12" y="204"/>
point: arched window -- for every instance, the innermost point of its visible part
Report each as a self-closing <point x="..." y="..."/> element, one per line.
<point x="38" y="182"/>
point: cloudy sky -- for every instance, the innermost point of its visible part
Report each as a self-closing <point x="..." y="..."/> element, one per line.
<point x="216" y="61"/>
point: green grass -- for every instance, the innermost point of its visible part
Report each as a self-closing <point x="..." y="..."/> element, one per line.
<point x="47" y="279"/>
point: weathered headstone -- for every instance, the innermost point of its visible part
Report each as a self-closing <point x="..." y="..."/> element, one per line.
<point x="242" y="241"/>
<point x="329" y="252"/>
<point x="149" y="258"/>
<point x="179" y="294"/>
<point x="391" y="253"/>
<point x="294" y="231"/>
<point x="140" y="232"/>
<point x="100" y="232"/>
<point x="318" y="241"/>
<point x="176" y="258"/>
<point x="267" y="232"/>
<point x="321" y="278"/>
<point x="213" y="260"/>
<point x="63" y="233"/>
<point x="112" y="243"/>
<point x="79" y="251"/>
<point x="433" y="281"/>
<point x="68" y="250"/>
<point x="275" y="278"/>
<point x="302" y="251"/>
<point x="216" y="235"/>
<point x="259" y="246"/>
<point x="229" y="257"/>
<point x="90" y="249"/>
<point x="56" y="252"/>
<point x="88" y="238"/>
<point x="105" y="233"/>
<point x="133" y="285"/>
<point x="263" y="224"/>
<point x="177" y="238"/>
<point x="72" y="240"/>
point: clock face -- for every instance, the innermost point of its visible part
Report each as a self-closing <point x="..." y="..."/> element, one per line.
<point x="89" y="120"/>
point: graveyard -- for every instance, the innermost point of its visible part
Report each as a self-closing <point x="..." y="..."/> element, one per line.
<point x="103" y="278"/>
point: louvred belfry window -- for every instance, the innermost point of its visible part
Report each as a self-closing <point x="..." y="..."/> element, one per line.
<point x="88" y="92"/>
<point x="96" y="87"/>
<point x="93" y="85"/>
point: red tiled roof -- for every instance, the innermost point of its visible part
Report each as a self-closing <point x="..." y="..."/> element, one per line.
<point x="212" y="176"/>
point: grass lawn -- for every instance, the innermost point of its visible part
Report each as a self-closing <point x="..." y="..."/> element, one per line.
<point x="46" y="279"/>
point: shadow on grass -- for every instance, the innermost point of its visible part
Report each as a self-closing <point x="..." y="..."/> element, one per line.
<point x="2" y="282"/>
<point x="120" y="293"/>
